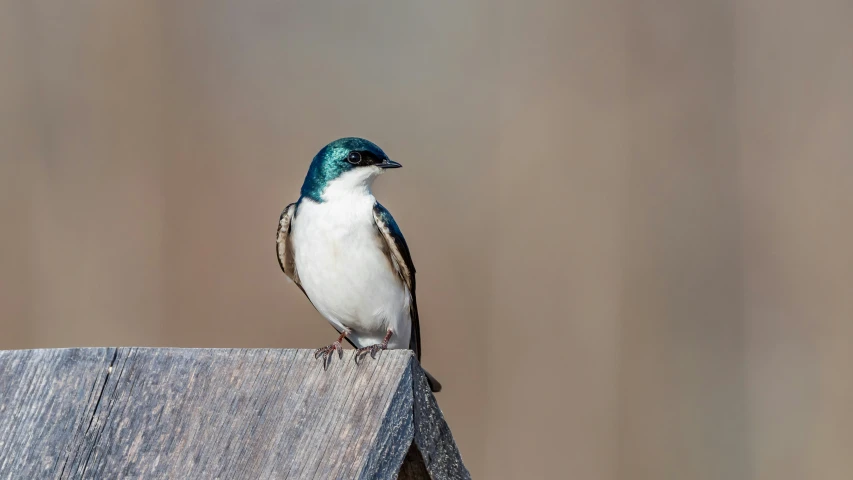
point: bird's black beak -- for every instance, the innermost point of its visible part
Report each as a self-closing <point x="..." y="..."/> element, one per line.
<point x="388" y="163"/>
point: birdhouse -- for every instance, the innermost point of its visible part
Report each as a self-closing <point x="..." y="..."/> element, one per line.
<point x="105" y="413"/>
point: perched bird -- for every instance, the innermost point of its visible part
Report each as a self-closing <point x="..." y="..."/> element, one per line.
<point x="348" y="256"/>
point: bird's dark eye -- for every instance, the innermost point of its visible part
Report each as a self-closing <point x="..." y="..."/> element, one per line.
<point x="354" y="158"/>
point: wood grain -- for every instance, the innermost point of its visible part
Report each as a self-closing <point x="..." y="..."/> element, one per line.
<point x="217" y="413"/>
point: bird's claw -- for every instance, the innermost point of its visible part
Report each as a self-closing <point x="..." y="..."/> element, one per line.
<point x="328" y="352"/>
<point x="370" y="349"/>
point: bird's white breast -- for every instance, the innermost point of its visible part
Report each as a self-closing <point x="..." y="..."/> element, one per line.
<point x="344" y="271"/>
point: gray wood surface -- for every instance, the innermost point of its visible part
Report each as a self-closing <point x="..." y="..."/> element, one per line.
<point x="218" y="413"/>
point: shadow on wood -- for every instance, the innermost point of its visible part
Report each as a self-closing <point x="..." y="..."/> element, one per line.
<point x="219" y="413"/>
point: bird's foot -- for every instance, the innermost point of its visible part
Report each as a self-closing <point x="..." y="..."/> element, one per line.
<point x="372" y="349"/>
<point x="328" y="352"/>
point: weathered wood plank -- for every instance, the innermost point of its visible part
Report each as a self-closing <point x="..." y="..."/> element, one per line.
<point x="432" y="434"/>
<point x="46" y="400"/>
<point x="216" y="413"/>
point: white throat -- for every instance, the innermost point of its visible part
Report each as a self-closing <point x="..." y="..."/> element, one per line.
<point x="355" y="183"/>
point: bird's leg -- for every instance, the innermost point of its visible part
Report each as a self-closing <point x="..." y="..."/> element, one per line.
<point x="329" y="350"/>
<point x="372" y="349"/>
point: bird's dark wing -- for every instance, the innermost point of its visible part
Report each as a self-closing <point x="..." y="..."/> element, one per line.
<point x="400" y="258"/>
<point x="398" y="255"/>
<point x="284" y="247"/>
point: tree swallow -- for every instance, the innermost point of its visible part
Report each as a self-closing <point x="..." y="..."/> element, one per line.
<point x="348" y="256"/>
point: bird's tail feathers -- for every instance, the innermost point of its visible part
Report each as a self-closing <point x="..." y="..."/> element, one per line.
<point x="434" y="385"/>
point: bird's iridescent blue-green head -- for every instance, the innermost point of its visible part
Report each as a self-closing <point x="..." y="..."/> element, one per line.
<point x="346" y="163"/>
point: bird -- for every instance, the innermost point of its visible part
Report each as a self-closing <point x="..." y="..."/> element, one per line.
<point x="347" y="254"/>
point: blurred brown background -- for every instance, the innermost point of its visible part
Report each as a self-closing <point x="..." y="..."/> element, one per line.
<point x="631" y="219"/>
